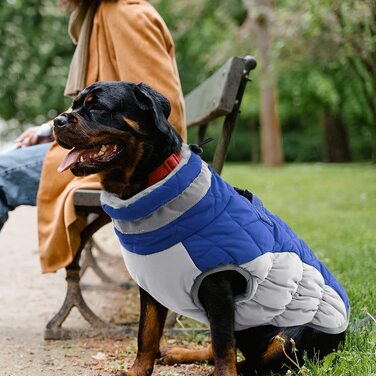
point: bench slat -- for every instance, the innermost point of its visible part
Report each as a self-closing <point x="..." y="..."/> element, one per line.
<point x="87" y="197"/>
<point x="215" y="97"/>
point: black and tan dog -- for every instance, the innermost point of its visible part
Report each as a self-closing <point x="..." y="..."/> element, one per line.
<point x="255" y="282"/>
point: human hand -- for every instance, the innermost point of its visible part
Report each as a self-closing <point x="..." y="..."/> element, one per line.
<point x="34" y="136"/>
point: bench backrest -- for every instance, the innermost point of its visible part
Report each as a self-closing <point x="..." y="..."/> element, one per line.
<point x="218" y="96"/>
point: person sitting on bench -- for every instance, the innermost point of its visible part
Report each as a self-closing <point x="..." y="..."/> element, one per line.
<point x="124" y="40"/>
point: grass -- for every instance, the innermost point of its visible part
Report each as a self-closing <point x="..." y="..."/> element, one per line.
<point x="333" y="208"/>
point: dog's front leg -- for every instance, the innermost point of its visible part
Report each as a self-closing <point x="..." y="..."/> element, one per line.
<point x="152" y="319"/>
<point x="217" y="297"/>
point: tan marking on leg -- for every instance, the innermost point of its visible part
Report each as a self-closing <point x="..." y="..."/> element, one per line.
<point x="275" y="347"/>
<point x="182" y="355"/>
<point x="151" y="333"/>
<point x="226" y="366"/>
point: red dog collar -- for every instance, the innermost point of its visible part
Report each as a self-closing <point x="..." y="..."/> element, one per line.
<point x="164" y="169"/>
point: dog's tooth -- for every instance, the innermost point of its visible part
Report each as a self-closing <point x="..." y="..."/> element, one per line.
<point x="115" y="147"/>
<point x="81" y="158"/>
<point x="101" y="152"/>
<point x="103" y="148"/>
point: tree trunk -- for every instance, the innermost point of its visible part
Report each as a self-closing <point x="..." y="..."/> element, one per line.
<point x="271" y="141"/>
<point x="336" y="143"/>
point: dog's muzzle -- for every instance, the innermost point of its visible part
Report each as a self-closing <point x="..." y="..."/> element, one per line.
<point x="60" y="121"/>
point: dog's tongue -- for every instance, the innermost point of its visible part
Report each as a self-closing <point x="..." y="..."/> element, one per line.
<point x="70" y="159"/>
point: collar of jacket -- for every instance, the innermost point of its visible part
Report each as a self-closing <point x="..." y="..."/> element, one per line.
<point x="187" y="199"/>
<point x="147" y="201"/>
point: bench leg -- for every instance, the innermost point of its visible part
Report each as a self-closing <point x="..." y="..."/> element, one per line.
<point x="73" y="298"/>
<point x="102" y="253"/>
<point x="91" y="262"/>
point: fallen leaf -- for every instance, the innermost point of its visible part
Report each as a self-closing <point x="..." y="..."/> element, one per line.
<point x="99" y="356"/>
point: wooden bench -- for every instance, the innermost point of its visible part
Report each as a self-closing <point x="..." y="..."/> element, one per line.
<point x="219" y="96"/>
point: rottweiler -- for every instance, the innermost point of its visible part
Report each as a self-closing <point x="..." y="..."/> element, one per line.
<point x="196" y="245"/>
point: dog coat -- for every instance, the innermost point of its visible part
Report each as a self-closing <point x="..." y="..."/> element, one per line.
<point x="192" y="224"/>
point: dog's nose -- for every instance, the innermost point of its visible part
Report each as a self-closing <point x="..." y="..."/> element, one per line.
<point x="60" y="121"/>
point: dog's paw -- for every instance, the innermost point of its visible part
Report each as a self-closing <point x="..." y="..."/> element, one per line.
<point x="174" y="356"/>
<point x="135" y="371"/>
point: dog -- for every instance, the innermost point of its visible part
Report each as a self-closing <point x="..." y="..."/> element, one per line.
<point x="197" y="246"/>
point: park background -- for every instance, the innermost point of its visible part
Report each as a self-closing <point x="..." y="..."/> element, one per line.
<point x="316" y="76"/>
<point x="316" y="79"/>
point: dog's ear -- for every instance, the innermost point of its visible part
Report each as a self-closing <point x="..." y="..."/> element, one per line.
<point x="158" y="106"/>
<point x="149" y="99"/>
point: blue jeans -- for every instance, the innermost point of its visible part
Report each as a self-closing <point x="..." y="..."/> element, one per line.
<point x="20" y="172"/>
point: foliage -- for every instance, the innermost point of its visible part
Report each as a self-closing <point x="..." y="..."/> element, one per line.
<point x="330" y="58"/>
<point x="34" y="61"/>
<point x="323" y="50"/>
<point x="200" y="29"/>
<point x="307" y="92"/>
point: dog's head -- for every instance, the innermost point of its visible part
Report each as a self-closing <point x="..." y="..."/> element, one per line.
<point x="117" y="129"/>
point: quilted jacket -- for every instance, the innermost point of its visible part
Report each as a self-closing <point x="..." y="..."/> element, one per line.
<point x="192" y="223"/>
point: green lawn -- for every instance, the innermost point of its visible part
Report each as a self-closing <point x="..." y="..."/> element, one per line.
<point x="333" y="208"/>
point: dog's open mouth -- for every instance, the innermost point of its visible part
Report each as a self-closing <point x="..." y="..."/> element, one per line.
<point x="92" y="157"/>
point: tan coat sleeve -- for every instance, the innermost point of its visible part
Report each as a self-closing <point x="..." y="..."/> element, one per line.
<point x="129" y="42"/>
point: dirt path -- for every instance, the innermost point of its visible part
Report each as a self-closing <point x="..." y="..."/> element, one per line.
<point x="28" y="299"/>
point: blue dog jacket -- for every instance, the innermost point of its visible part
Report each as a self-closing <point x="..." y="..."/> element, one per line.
<point x="192" y="224"/>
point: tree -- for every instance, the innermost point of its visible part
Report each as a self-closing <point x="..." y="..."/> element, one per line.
<point x="34" y="61"/>
<point x="350" y="28"/>
<point x="313" y="54"/>
<point x="260" y="13"/>
<point x="360" y="37"/>
<point x="319" y="53"/>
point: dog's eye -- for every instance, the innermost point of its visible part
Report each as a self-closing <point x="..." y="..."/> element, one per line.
<point x="96" y="108"/>
<point x="92" y="106"/>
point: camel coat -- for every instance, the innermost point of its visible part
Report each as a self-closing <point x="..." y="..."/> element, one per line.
<point x="129" y="42"/>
